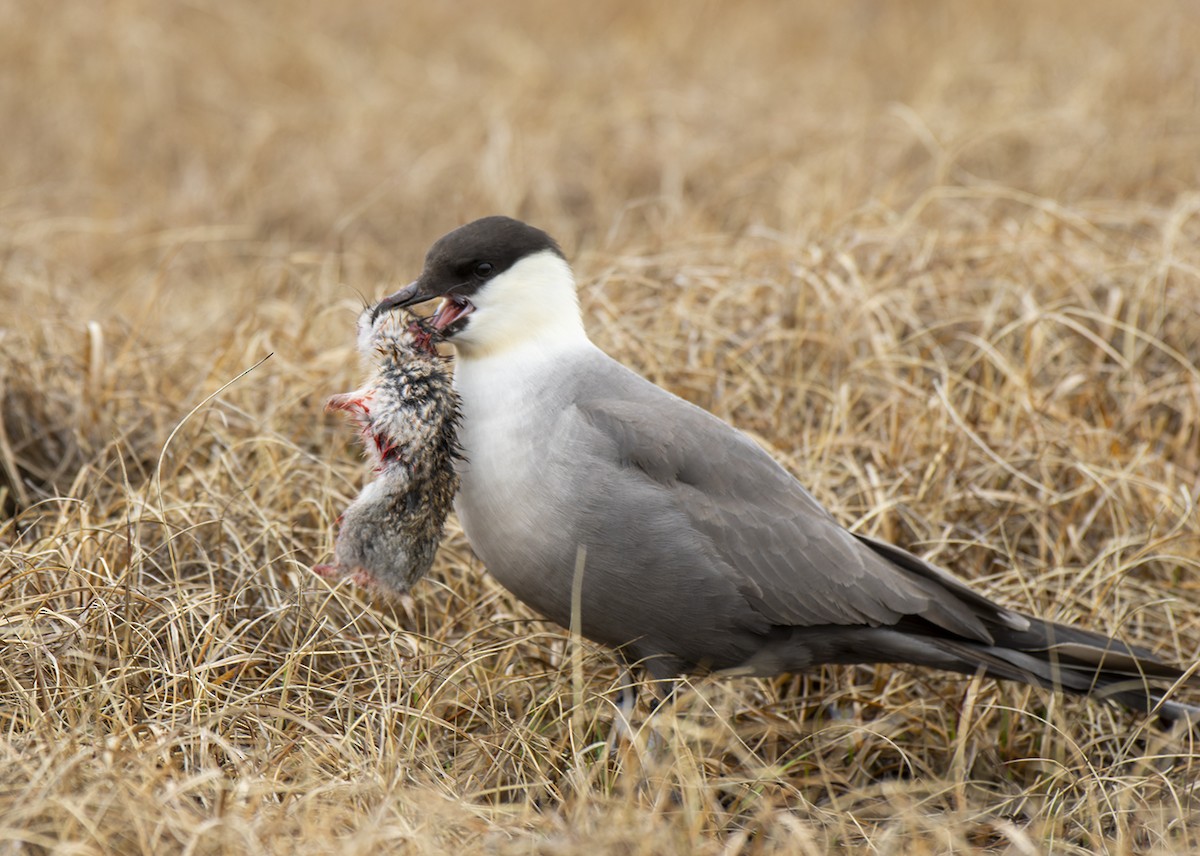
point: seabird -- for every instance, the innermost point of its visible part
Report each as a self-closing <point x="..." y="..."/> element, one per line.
<point x="693" y="549"/>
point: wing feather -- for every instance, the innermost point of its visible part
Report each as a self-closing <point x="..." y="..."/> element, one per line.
<point x="796" y="565"/>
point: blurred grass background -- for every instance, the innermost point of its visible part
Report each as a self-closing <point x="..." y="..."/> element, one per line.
<point x="941" y="258"/>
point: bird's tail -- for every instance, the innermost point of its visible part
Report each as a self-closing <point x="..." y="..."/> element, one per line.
<point x="1078" y="661"/>
<point x="1033" y="651"/>
<point x="1055" y="656"/>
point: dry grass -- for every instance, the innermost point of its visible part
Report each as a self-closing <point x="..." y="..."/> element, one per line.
<point x="942" y="258"/>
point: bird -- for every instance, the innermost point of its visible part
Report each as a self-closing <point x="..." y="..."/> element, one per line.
<point x="407" y="414"/>
<point x="683" y="544"/>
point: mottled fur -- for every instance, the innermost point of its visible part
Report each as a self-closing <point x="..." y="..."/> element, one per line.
<point x="407" y="414"/>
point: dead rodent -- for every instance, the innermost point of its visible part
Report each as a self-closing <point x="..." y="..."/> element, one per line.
<point x="407" y="413"/>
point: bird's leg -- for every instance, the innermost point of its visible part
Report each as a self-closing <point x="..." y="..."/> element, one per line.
<point x="664" y="691"/>
<point x="626" y="701"/>
<point x="627" y="694"/>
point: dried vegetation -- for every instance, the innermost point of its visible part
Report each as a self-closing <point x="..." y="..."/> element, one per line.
<point x="944" y="259"/>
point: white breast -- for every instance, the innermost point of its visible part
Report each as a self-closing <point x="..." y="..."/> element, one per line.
<point x="509" y="411"/>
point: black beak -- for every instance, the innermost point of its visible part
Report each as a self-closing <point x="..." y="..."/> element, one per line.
<point x="411" y="294"/>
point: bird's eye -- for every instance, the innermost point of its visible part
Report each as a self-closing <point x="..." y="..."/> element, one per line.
<point x="483" y="270"/>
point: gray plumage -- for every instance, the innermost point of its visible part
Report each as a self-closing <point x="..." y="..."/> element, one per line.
<point x="699" y="551"/>
<point x="407" y="415"/>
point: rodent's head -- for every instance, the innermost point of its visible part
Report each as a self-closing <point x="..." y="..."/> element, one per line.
<point x="401" y="333"/>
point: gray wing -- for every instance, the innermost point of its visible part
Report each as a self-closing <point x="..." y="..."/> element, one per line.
<point x="795" y="565"/>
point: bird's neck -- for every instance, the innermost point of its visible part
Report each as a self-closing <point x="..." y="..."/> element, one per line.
<point x="544" y="335"/>
<point x="530" y="357"/>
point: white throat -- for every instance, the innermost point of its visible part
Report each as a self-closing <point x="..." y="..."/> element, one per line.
<point x="532" y="305"/>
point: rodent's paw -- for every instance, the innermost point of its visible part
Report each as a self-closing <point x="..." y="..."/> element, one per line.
<point x="362" y="577"/>
<point x="359" y="576"/>
<point x="355" y="403"/>
<point x="327" y="571"/>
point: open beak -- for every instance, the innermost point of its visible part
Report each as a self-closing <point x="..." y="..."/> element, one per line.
<point x="407" y="296"/>
<point x="452" y="310"/>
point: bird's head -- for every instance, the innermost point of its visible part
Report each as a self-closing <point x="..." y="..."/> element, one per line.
<point x="502" y="283"/>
